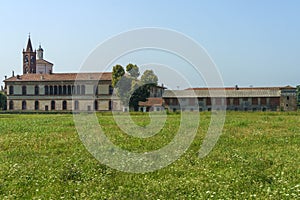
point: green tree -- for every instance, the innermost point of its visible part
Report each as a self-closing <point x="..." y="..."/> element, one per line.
<point x="149" y="78"/>
<point x="2" y="101"/>
<point x="117" y="73"/>
<point x="133" y="70"/>
<point x="141" y="90"/>
<point x="129" y="88"/>
<point x="141" y="93"/>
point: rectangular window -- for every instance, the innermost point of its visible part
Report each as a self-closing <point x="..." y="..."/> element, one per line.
<point x="254" y="101"/>
<point x="76" y="105"/>
<point x="236" y="101"/>
<point x="208" y="101"/>
<point x="218" y="101"/>
<point x="83" y="89"/>
<point x="191" y="101"/>
<point x="263" y="101"/>
<point x="24" y="90"/>
<point x="46" y="90"/>
<point x="11" y="89"/>
<point x="36" y="90"/>
<point x="36" y="105"/>
<point x="228" y="101"/>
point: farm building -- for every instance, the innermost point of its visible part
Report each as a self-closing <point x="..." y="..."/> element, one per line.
<point x="242" y="99"/>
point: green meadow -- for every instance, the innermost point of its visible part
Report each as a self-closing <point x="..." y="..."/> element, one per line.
<point x="256" y="157"/>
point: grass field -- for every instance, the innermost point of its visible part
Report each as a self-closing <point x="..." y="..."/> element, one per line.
<point x="256" y="157"/>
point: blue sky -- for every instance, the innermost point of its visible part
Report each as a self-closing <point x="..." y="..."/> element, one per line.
<point x="252" y="42"/>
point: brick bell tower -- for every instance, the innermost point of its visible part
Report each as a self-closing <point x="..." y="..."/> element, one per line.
<point x="29" y="59"/>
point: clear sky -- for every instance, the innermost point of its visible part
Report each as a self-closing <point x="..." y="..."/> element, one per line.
<point x="253" y="42"/>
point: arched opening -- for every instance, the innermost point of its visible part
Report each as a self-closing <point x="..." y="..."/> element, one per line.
<point x="24" y="90"/>
<point x="59" y="90"/>
<point x="64" y="90"/>
<point x="52" y="105"/>
<point x="24" y="105"/>
<point x="110" y="105"/>
<point x="51" y="90"/>
<point x="69" y="90"/>
<point x="78" y="89"/>
<point x="36" y="90"/>
<point x="64" y="105"/>
<point x="82" y="89"/>
<point x="95" y="105"/>
<point x="111" y="89"/>
<point x="36" y="105"/>
<point x="76" y="105"/>
<point x="11" y="105"/>
<point x="55" y="90"/>
<point x="95" y="89"/>
<point x="46" y="89"/>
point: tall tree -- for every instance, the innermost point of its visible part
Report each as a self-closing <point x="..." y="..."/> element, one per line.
<point x="117" y="73"/>
<point x="129" y="88"/>
<point x="141" y="91"/>
<point x="133" y="70"/>
<point x="149" y="78"/>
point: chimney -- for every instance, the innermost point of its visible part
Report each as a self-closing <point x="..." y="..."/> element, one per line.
<point x="236" y="87"/>
<point x="5" y="77"/>
<point x="18" y="76"/>
<point x="13" y="73"/>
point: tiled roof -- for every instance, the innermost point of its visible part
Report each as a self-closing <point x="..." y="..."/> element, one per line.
<point x="152" y="102"/>
<point x="244" y="88"/>
<point x="61" y="77"/>
<point x="42" y="61"/>
<point x="253" y="92"/>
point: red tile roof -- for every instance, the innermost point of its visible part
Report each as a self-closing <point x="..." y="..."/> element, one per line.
<point x="106" y="76"/>
<point x="152" y="102"/>
<point x="243" y="88"/>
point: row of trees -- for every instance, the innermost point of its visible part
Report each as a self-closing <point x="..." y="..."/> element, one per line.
<point x="129" y="87"/>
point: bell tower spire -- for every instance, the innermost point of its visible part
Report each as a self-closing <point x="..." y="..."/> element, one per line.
<point x="29" y="58"/>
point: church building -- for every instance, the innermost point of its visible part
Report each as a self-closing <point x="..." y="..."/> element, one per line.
<point x="40" y="89"/>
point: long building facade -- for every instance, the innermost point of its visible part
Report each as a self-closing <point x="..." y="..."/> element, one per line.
<point x="61" y="91"/>
<point x="238" y="99"/>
